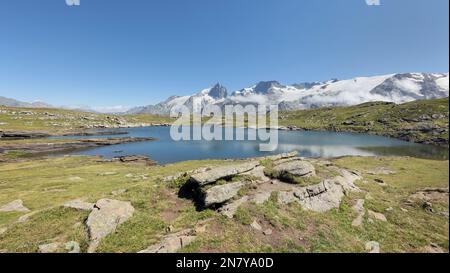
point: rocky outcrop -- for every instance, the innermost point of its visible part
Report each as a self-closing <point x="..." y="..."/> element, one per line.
<point x="104" y="219"/>
<point x="230" y="209"/>
<point x="16" y="205"/>
<point x="222" y="193"/>
<point x="172" y="243"/>
<point x="323" y="196"/>
<point x="212" y="175"/>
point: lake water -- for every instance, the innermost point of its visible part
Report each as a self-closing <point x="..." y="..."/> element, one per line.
<point x="309" y="144"/>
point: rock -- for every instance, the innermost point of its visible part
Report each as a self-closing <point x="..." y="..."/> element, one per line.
<point x="3" y="230"/>
<point x="281" y="156"/>
<point x="79" y="205"/>
<point x="430" y="194"/>
<point x="359" y="209"/>
<point x="72" y="247"/>
<point x="25" y="217"/>
<point x="119" y="192"/>
<point x="261" y="197"/>
<point x="49" y="248"/>
<point x="16" y="205"/>
<point x="377" y="216"/>
<point x="135" y="159"/>
<point x="105" y="218"/>
<point x="258" y="173"/>
<point x="107" y="173"/>
<point x="404" y="210"/>
<point x="267" y="232"/>
<point x="256" y="226"/>
<point x="129" y="175"/>
<point x="323" y="196"/>
<point x="389" y="209"/>
<point x="200" y="229"/>
<point x="75" y="178"/>
<point x="296" y="168"/>
<point x="373" y="247"/>
<point x="222" y="193"/>
<point x="215" y="174"/>
<point x="172" y="243"/>
<point x="230" y="209"/>
<point x="380" y="171"/>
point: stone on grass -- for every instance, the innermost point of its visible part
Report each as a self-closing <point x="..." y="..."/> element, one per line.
<point x="104" y="219"/>
<point x="172" y="243"/>
<point x="72" y="247"/>
<point x="16" y="205"/>
<point x="79" y="205"/>
<point x="256" y="226"/>
<point x="373" y="247"/>
<point x="49" y="248"/>
<point x="267" y="232"/>
<point x="360" y="211"/>
<point x="377" y="216"/>
<point x="119" y="192"/>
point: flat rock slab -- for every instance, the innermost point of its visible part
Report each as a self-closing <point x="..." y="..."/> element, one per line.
<point x="16" y="205"/>
<point x="222" y="193"/>
<point x="172" y="243"/>
<point x="215" y="174"/>
<point x="79" y="205"/>
<point x="105" y="218"/>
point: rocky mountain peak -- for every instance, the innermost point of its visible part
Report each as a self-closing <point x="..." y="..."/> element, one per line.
<point x="265" y="86"/>
<point x="218" y="91"/>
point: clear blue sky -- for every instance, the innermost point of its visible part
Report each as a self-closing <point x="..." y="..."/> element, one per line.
<point x="137" y="52"/>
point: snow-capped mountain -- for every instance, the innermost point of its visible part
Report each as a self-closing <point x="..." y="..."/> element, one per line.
<point x="213" y="95"/>
<point x="397" y="88"/>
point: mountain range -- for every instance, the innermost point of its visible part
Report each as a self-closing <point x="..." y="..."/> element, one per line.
<point x="397" y="88"/>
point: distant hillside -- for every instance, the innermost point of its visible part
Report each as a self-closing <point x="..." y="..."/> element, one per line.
<point x="422" y="121"/>
<point x="15" y="103"/>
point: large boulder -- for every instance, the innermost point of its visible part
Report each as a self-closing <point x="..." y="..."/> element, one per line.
<point x="222" y="193"/>
<point x="211" y="176"/>
<point x="104" y="219"/>
<point x="288" y="169"/>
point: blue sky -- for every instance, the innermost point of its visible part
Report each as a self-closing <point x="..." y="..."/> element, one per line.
<point x="138" y="52"/>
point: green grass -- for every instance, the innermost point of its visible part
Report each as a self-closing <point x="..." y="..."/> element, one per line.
<point x="44" y="185"/>
<point x="56" y="121"/>
<point x="402" y="120"/>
